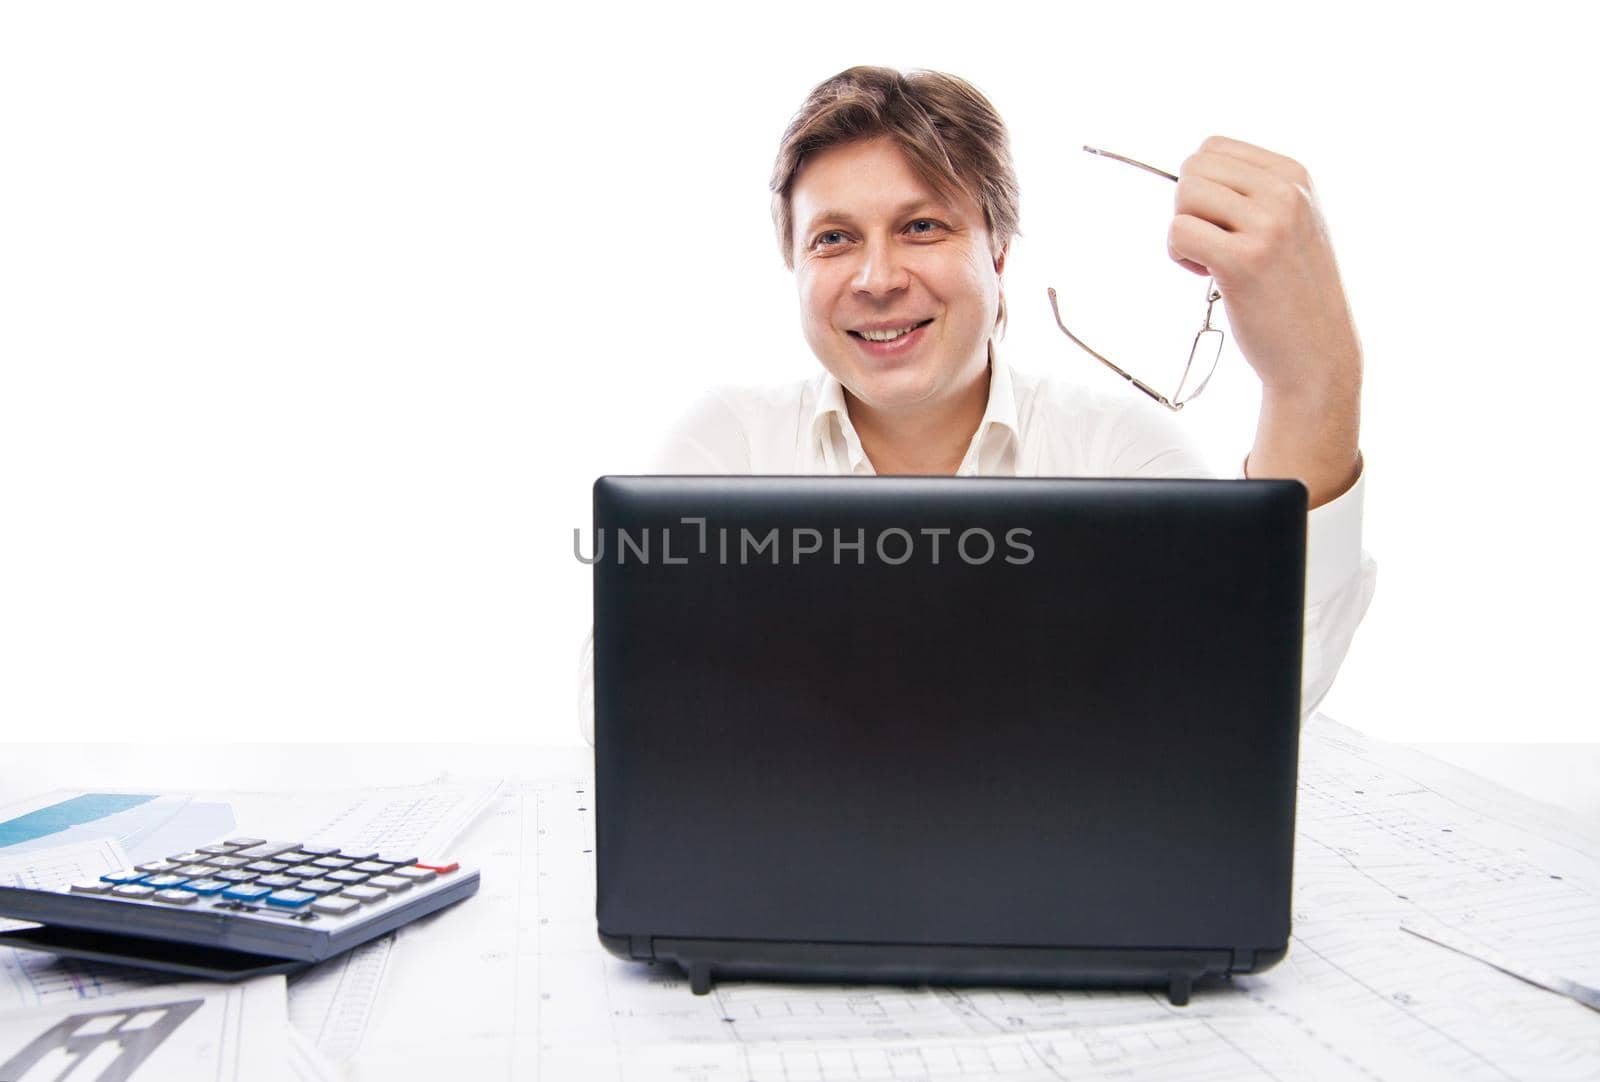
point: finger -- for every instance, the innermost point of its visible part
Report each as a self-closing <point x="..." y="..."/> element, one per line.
<point x="1242" y="176"/>
<point x="1216" y="203"/>
<point x="1257" y="156"/>
<point x="1196" y="244"/>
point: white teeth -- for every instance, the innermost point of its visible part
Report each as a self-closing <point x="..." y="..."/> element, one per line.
<point x="887" y="336"/>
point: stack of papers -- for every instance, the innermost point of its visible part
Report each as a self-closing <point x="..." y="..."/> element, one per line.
<point x="61" y="1017"/>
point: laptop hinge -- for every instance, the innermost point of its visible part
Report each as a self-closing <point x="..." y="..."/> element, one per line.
<point x="1244" y="960"/>
<point x="640" y="948"/>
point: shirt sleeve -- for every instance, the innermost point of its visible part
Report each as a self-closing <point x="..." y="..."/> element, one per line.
<point x="708" y="438"/>
<point x="1340" y="581"/>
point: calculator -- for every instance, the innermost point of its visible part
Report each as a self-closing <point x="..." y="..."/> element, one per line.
<point x="239" y="908"/>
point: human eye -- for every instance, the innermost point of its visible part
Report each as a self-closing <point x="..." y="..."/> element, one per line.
<point x="925" y="227"/>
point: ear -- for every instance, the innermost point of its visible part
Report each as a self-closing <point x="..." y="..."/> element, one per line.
<point x="1000" y="258"/>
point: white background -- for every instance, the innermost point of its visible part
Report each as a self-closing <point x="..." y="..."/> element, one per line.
<point x="317" y="322"/>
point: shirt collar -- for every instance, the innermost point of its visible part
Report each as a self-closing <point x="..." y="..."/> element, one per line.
<point x="831" y="430"/>
<point x="836" y="439"/>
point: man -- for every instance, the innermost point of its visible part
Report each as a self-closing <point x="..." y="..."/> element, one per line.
<point x="895" y="202"/>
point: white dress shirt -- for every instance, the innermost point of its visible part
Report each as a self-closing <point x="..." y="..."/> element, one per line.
<point x="1032" y="427"/>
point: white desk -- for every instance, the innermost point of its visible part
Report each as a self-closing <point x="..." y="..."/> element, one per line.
<point x="517" y="977"/>
<point x="1566" y="775"/>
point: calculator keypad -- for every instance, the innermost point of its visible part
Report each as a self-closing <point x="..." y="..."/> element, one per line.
<point x="289" y="880"/>
<point x="266" y="850"/>
<point x="205" y="886"/>
<point x="165" y="881"/>
<point x="336" y="907"/>
<point x="290" y="898"/>
<point x="246" y="892"/>
<point x="238" y="906"/>
<point x="159" y="866"/>
<point x="319" y="886"/>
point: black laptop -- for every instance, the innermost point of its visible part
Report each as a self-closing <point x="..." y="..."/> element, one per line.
<point x="1008" y="731"/>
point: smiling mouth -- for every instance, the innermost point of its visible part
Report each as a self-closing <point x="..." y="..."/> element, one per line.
<point x="891" y="334"/>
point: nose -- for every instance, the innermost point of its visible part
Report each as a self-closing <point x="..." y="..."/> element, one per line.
<point x="881" y="271"/>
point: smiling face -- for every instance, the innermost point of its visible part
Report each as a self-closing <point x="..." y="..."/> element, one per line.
<point x="899" y="287"/>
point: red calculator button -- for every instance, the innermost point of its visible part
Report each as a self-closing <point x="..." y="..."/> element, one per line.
<point x="441" y="868"/>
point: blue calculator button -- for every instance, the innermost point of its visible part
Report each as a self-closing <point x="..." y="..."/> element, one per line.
<point x="127" y="876"/>
<point x="246" y="892"/>
<point x="291" y="899"/>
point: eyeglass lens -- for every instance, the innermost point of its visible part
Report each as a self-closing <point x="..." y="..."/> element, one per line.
<point x="1203" y="356"/>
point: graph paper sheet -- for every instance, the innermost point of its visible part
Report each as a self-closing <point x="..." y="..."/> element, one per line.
<point x="196" y="1031"/>
<point x="1384" y="834"/>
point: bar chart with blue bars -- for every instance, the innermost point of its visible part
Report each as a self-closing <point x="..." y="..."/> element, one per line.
<point x="146" y="825"/>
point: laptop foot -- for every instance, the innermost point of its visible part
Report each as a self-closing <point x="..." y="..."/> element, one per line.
<point x="699" y="978"/>
<point x="1178" y="986"/>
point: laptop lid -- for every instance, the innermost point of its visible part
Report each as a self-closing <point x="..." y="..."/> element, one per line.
<point x="947" y="728"/>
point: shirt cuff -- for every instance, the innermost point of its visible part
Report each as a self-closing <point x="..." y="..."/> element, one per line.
<point x="1333" y="540"/>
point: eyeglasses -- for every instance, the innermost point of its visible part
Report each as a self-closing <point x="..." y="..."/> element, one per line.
<point x="1203" y="354"/>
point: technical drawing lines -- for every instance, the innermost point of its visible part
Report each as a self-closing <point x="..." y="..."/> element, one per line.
<point x="331" y="1003"/>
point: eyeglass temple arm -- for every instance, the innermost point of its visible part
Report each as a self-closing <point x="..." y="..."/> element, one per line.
<point x="1129" y="161"/>
<point x="1130" y="377"/>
